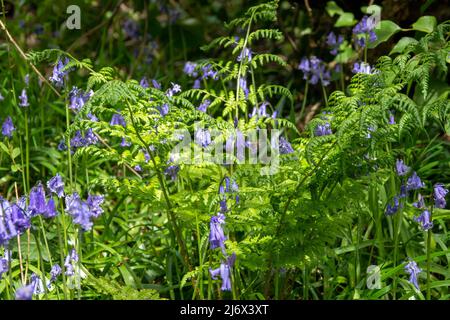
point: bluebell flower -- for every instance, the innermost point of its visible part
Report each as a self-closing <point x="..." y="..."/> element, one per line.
<point x="78" y="140"/>
<point x="37" y="200"/>
<point x="216" y="234"/>
<point x="79" y="211"/>
<point x="413" y="270"/>
<point x="124" y="143"/>
<point x="51" y="209"/>
<point x="90" y="137"/>
<point x="163" y="110"/>
<point x="23" y="99"/>
<point x="245" y="55"/>
<point x="204" y="105"/>
<point x="156" y="84"/>
<point x="208" y="72"/>
<point x="414" y="182"/>
<point x="392" y="209"/>
<point x="323" y="130"/>
<point x="314" y="70"/>
<point x="176" y="88"/>
<point x="117" y="120"/>
<point x="37" y="283"/>
<point x="54" y="273"/>
<point x="4" y="264"/>
<point x="137" y="168"/>
<point x="94" y="202"/>
<point x="391" y="118"/>
<point x="425" y="220"/>
<point x="203" y="137"/>
<point x="196" y="84"/>
<point x="403" y="191"/>
<point x="8" y="127"/>
<point x="56" y="185"/>
<point x="362" y="68"/>
<point x="172" y="171"/>
<point x="402" y="169"/>
<point x="334" y="42"/>
<point x="59" y="75"/>
<point x="62" y="145"/>
<point x="92" y="117"/>
<point x="243" y="86"/>
<point x="189" y="69"/>
<point x="69" y="263"/>
<point x="78" y="98"/>
<point x="25" y="292"/>
<point x="365" y="28"/>
<point x="19" y="216"/>
<point x="131" y="29"/>
<point x="285" y="146"/>
<point x="439" y="195"/>
<point x="144" y="83"/>
<point x="420" y="204"/>
<point x="26" y="79"/>
<point x="224" y="272"/>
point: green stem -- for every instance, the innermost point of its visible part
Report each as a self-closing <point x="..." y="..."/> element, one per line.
<point x="429" y="235"/>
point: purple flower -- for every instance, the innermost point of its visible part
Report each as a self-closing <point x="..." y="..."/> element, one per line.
<point x="8" y="127"/>
<point x="216" y="234"/>
<point x="363" y="68"/>
<point x="4" y="264"/>
<point x="224" y="272"/>
<point x="391" y="118"/>
<point x="59" y="75"/>
<point x="189" y="69"/>
<point x="425" y="220"/>
<point x="172" y="171"/>
<point x="196" y="84"/>
<point x="314" y="70"/>
<point x="26" y="79"/>
<point x="285" y="146"/>
<point x="69" y="263"/>
<point x="23" y="99"/>
<point x="203" y="137"/>
<point x="402" y="169"/>
<point x="204" y="105"/>
<point x="79" y="211"/>
<point x="420" y="204"/>
<point x="138" y="168"/>
<point x="25" y="292"/>
<point x="94" y="202"/>
<point x="439" y="195"/>
<point x="208" y="72"/>
<point x="156" y="84"/>
<point x="131" y="29"/>
<point x="334" y="42"/>
<point x="117" y="120"/>
<point x="125" y="143"/>
<point x="37" y="200"/>
<point x="323" y="130"/>
<point x="414" y="182"/>
<point x="365" y="28"/>
<point x="174" y="89"/>
<point x="77" y="98"/>
<point x="164" y="109"/>
<point x="392" y="209"/>
<point x="243" y="85"/>
<point x="55" y="272"/>
<point x="413" y="270"/>
<point x="38" y="285"/>
<point x="92" y="117"/>
<point x="144" y="83"/>
<point x="245" y="54"/>
<point x="51" y="209"/>
<point x="56" y="185"/>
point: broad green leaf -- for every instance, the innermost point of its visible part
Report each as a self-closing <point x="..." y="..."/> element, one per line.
<point x="425" y="24"/>
<point x="332" y="8"/>
<point x="346" y="19"/>
<point x="402" y="44"/>
<point x="384" y="31"/>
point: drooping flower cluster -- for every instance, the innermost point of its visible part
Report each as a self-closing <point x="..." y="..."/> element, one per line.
<point x="245" y="55"/>
<point x="323" y="130"/>
<point x="261" y="111"/>
<point x="78" y="98"/>
<point x="364" y="31"/>
<point x="413" y="270"/>
<point x="440" y="192"/>
<point x="217" y="235"/>
<point x="4" y="263"/>
<point x="59" y="74"/>
<point x="193" y="70"/>
<point x="314" y="70"/>
<point x="285" y="146"/>
<point x="8" y="127"/>
<point x="79" y="140"/>
<point x="204" y="105"/>
<point x="23" y="99"/>
<point x="334" y="42"/>
<point x="362" y="67"/>
<point x="83" y="212"/>
<point x="176" y="88"/>
<point x="202" y="137"/>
